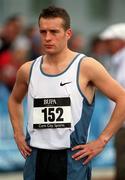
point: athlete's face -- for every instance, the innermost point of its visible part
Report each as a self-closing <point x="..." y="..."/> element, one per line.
<point x="53" y="36"/>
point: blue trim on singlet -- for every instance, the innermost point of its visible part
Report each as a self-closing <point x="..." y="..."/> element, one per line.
<point x="31" y="70"/>
<point x="77" y="79"/>
<point x="30" y="166"/>
<point x="76" y="169"/>
<point x="27" y="133"/>
<point x="79" y="135"/>
<point x="27" y="137"/>
<point x="77" y="82"/>
<point x="50" y="75"/>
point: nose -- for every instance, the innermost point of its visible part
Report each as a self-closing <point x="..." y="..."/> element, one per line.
<point x="48" y="36"/>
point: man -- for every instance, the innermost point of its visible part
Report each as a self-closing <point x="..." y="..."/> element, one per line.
<point x="114" y="36"/>
<point x="61" y="87"/>
<point x="8" y="35"/>
<point x="10" y="31"/>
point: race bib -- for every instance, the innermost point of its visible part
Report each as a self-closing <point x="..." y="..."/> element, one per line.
<point x="52" y="113"/>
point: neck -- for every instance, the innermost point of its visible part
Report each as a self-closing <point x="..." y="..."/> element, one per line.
<point x="60" y="57"/>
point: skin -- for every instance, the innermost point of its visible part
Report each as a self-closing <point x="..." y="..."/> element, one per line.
<point x="92" y="75"/>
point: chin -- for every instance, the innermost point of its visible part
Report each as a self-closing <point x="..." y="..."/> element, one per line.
<point x="50" y="52"/>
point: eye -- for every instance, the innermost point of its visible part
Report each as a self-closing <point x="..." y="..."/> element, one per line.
<point x="42" y="31"/>
<point x="54" y="31"/>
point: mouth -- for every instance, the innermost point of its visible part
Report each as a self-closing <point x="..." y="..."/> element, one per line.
<point x="48" y="45"/>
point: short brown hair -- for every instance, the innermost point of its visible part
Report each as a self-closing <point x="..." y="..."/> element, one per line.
<point x="54" y="12"/>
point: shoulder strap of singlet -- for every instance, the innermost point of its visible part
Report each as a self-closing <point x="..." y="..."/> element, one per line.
<point x="31" y="68"/>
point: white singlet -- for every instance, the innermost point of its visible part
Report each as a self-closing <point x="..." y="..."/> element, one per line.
<point x="55" y="107"/>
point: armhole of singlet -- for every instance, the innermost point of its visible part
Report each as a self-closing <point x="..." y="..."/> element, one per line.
<point x="77" y="79"/>
<point x="31" y="71"/>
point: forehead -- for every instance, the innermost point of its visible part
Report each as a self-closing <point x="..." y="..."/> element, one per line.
<point x="51" y="23"/>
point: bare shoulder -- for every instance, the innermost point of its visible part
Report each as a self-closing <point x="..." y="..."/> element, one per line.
<point x="91" y="63"/>
<point x="26" y="66"/>
<point x="92" y="68"/>
<point x="24" y="71"/>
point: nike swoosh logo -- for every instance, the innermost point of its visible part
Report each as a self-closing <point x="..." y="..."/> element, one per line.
<point x="63" y="84"/>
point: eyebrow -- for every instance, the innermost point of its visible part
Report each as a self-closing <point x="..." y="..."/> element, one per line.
<point x="51" y="30"/>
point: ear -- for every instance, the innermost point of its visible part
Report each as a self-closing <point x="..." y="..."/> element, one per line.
<point x="69" y="33"/>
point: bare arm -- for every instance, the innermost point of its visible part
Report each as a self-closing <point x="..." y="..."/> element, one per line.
<point x="96" y="73"/>
<point x="16" y="108"/>
<point x="106" y="84"/>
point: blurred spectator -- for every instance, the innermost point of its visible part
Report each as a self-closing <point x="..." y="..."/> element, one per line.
<point x="114" y="37"/>
<point x="9" y="32"/>
<point x="32" y="34"/>
<point x="77" y="42"/>
<point x="9" y="60"/>
<point x="98" y="50"/>
<point x="12" y="59"/>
